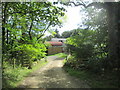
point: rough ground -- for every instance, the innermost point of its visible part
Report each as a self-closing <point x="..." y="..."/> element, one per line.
<point x="52" y="76"/>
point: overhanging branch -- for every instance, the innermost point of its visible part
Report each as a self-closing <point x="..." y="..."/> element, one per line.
<point x="44" y="31"/>
<point x="95" y="4"/>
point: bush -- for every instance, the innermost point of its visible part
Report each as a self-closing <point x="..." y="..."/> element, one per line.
<point x="94" y="65"/>
<point x="29" y="53"/>
<point x="72" y="62"/>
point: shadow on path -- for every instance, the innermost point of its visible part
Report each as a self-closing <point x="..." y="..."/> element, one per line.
<point x="52" y="76"/>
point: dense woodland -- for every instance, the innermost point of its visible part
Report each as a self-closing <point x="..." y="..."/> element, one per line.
<point x="24" y="24"/>
<point x="95" y="48"/>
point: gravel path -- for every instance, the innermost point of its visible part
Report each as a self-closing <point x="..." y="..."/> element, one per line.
<point x="52" y="76"/>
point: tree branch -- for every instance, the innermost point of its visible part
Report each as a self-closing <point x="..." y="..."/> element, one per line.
<point x="44" y="31"/>
<point x="78" y="4"/>
<point x="25" y="12"/>
<point x="95" y="4"/>
<point x="30" y="30"/>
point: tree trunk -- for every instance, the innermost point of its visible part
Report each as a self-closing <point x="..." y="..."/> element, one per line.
<point x="112" y="11"/>
<point x="30" y="30"/>
<point x="4" y="7"/>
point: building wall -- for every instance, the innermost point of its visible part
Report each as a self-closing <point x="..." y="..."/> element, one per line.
<point x="54" y="50"/>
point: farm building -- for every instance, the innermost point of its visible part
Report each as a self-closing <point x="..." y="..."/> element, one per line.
<point x="57" y="46"/>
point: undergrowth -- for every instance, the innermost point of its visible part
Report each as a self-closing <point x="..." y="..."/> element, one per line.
<point x="12" y="76"/>
<point x="94" y="80"/>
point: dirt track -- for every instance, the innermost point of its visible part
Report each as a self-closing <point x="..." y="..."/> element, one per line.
<point x="52" y="76"/>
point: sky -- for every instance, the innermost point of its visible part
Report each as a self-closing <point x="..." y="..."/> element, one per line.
<point x="73" y="19"/>
<point x="71" y="22"/>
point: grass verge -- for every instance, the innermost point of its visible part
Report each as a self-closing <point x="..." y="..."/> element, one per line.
<point x="12" y="77"/>
<point x="59" y="54"/>
<point x="94" y="80"/>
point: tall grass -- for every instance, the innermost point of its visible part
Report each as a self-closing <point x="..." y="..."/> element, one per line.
<point x="12" y="77"/>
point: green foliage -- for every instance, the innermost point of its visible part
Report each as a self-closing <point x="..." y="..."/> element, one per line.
<point x="62" y="55"/>
<point x="32" y="51"/>
<point x="72" y="62"/>
<point x="24" y="24"/>
<point x="89" y="46"/>
<point x="88" y="51"/>
<point x="107" y="80"/>
<point x="48" y="38"/>
<point x="66" y="34"/>
<point x="82" y="44"/>
<point x="12" y="77"/>
<point x="56" y="35"/>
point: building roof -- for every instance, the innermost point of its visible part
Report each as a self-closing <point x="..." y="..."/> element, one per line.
<point x="55" y="43"/>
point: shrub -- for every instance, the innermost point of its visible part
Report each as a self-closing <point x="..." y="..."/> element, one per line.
<point x="29" y="53"/>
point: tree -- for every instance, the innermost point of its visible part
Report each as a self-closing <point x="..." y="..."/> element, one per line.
<point x="70" y="33"/>
<point x="57" y="35"/>
<point x="112" y="9"/>
<point x="24" y="24"/>
<point x="48" y="38"/>
<point x="66" y="34"/>
<point x="82" y="43"/>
